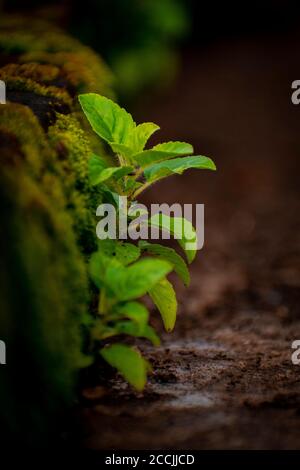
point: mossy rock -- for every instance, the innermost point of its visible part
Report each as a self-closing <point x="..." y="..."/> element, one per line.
<point x="48" y="222"/>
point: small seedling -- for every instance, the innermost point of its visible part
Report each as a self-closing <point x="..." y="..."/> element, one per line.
<point x="124" y="272"/>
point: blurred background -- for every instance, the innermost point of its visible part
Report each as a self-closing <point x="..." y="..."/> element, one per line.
<point x="217" y="75"/>
<point x="143" y="40"/>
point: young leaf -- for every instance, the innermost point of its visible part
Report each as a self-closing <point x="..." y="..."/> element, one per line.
<point x="97" y="267"/>
<point x="129" y="362"/>
<point x="125" y="253"/>
<point x="100" y="331"/>
<point x="170" y="255"/>
<point x="111" y="122"/>
<point x="141" y="134"/>
<point x="181" y="229"/>
<point x="164" y="297"/>
<point x="135" y="140"/>
<point x="110" y="197"/>
<point x="122" y="149"/>
<point x="177" y="166"/>
<point x="134" y="311"/>
<point x="115" y="172"/>
<point x="96" y="165"/>
<point x="128" y="283"/>
<point x="162" y="152"/>
<point x="150" y="334"/>
<point x="131" y="328"/>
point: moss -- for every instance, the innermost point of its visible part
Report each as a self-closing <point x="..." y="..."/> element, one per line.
<point x="48" y="211"/>
<point x="67" y="137"/>
<point x="82" y="69"/>
<point x="45" y="44"/>
<point x="20" y="83"/>
<point x="45" y="293"/>
<point x="72" y="144"/>
<point x="45" y="296"/>
<point x="31" y="139"/>
<point x="63" y="170"/>
<point x="37" y="72"/>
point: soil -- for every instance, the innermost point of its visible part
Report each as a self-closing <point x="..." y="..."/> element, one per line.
<point x="224" y="378"/>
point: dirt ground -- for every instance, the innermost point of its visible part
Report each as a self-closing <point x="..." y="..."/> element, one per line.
<point x="224" y="379"/>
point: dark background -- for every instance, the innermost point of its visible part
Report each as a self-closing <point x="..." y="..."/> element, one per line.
<point x="116" y="27"/>
<point x="210" y="20"/>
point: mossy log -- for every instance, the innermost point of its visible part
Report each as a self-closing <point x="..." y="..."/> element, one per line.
<point x="47" y="221"/>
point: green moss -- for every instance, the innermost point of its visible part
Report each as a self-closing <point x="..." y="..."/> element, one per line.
<point x="43" y="43"/>
<point x="43" y="302"/>
<point x="71" y="143"/>
<point x="67" y="137"/>
<point x="21" y="122"/>
<point x="48" y="216"/>
<point x="45" y="292"/>
<point x="37" y="72"/>
<point x="19" y="83"/>
<point x="82" y="69"/>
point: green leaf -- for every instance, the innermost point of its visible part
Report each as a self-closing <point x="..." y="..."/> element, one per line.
<point x="122" y="149"/>
<point x="111" y="172"/>
<point x="110" y="196"/>
<point x="128" y="283"/>
<point x="111" y="122"/>
<point x="134" y="311"/>
<point x="180" y="228"/>
<point x="150" y="334"/>
<point x="97" y="268"/>
<point x="125" y="253"/>
<point x="140" y="135"/>
<point x="100" y="331"/>
<point x="132" y="328"/>
<point x="129" y="362"/>
<point x="177" y="166"/>
<point x="110" y="251"/>
<point x="170" y="255"/>
<point x="99" y="171"/>
<point x="135" y="140"/>
<point x="162" y="152"/>
<point x="164" y="297"/>
<point x="96" y="165"/>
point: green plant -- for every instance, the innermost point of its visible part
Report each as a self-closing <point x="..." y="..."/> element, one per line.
<point x="124" y="272"/>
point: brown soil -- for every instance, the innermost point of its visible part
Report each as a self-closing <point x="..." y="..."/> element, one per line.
<point x="224" y="379"/>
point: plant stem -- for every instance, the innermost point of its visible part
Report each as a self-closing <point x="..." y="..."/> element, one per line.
<point x="121" y="159"/>
<point x="118" y="188"/>
<point x="138" y="173"/>
<point x="123" y="162"/>
<point x="141" y="189"/>
<point x="102" y="302"/>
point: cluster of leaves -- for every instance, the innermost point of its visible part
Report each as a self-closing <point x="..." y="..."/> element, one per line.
<point x="124" y="272"/>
